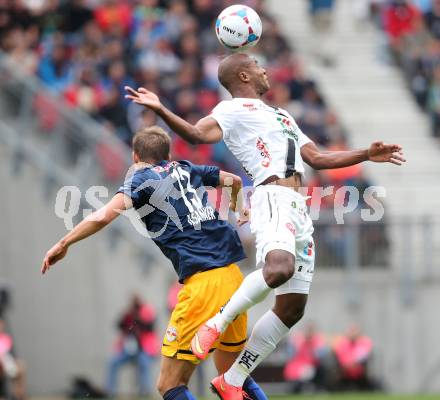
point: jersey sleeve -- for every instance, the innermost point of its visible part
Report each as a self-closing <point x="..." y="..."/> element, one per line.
<point x="210" y="174"/>
<point x="225" y="116"/>
<point x="302" y="138"/>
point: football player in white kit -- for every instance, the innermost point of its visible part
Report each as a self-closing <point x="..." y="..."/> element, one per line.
<point x="271" y="148"/>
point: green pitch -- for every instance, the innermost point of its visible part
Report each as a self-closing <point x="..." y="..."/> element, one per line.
<point x="353" y="396"/>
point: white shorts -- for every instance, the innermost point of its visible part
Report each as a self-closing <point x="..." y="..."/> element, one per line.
<point x="279" y="221"/>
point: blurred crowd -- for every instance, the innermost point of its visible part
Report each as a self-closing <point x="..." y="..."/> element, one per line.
<point x="340" y="363"/>
<point x="86" y="51"/>
<point x="412" y="29"/>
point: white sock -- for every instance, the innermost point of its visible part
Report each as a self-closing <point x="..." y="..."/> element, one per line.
<point x="252" y="290"/>
<point x="267" y="333"/>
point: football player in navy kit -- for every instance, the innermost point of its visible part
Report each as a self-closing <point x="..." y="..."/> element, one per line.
<point x="171" y="200"/>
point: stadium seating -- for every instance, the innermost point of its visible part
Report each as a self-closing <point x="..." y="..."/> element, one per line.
<point x="86" y="55"/>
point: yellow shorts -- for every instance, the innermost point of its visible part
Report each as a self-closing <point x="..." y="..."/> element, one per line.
<point x="200" y="298"/>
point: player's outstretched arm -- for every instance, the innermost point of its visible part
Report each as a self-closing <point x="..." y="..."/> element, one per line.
<point x="89" y="226"/>
<point x="207" y="130"/>
<point x="377" y="152"/>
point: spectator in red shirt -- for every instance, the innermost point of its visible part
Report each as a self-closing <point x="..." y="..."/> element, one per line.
<point x="114" y="15"/>
<point x="353" y="353"/>
<point x="399" y="19"/>
<point x="305" y="368"/>
<point x="137" y="344"/>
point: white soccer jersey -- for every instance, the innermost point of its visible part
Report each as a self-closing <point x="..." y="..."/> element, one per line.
<point x="266" y="140"/>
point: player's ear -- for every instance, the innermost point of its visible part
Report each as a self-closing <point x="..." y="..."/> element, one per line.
<point x="169" y="157"/>
<point x="135" y="157"/>
<point x="244" y="77"/>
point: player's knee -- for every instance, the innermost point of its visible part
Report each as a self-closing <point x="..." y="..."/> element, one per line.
<point x="279" y="267"/>
<point x="164" y="384"/>
<point x="161" y="386"/>
<point x="291" y="314"/>
<point x="296" y="315"/>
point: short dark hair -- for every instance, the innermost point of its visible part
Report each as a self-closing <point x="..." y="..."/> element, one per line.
<point x="231" y="66"/>
<point x="152" y="144"/>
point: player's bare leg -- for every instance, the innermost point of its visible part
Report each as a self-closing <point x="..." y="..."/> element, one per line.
<point x="174" y="376"/>
<point x="223" y="360"/>
<point x="290" y="307"/>
<point x="176" y="373"/>
<point x="279" y="267"/>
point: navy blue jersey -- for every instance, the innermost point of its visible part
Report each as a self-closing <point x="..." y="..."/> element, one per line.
<point x="172" y="202"/>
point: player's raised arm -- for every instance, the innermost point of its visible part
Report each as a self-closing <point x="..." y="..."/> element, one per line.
<point x="206" y="130"/>
<point x="89" y="226"/>
<point x="377" y="152"/>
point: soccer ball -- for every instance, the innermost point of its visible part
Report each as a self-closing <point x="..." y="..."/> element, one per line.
<point x="238" y="27"/>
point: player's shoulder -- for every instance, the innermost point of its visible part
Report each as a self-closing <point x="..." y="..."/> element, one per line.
<point x="190" y="166"/>
<point x="141" y="178"/>
<point x="284" y="112"/>
<point x="186" y="164"/>
<point x="161" y="170"/>
<point x="208" y="173"/>
<point x="142" y="173"/>
<point x="156" y="172"/>
<point x="230" y="105"/>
